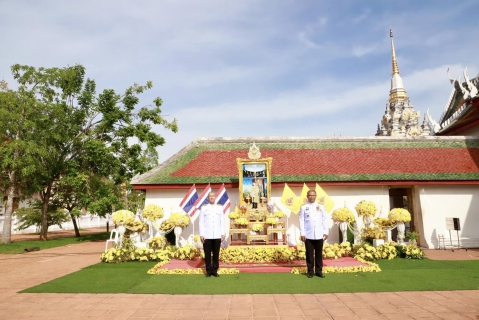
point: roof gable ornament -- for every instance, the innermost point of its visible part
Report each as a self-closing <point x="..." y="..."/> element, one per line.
<point x="254" y="152"/>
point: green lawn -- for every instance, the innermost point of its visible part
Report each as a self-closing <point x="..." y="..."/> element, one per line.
<point x="396" y="275"/>
<point x="19" y="246"/>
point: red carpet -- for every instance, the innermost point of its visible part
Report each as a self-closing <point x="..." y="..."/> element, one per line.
<point x="263" y="267"/>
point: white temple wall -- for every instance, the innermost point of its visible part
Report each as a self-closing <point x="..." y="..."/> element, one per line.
<point x="449" y="201"/>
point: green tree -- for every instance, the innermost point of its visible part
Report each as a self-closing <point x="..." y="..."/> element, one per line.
<point x="104" y="135"/>
<point x="19" y="111"/>
<point x="32" y="216"/>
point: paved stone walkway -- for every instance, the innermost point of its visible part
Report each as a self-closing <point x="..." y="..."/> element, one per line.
<point x="19" y="272"/>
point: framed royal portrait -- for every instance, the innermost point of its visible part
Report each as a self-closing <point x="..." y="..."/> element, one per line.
<point x="254" y="181"/>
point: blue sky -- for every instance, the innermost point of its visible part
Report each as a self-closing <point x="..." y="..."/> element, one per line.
<point x="253" y="68"/>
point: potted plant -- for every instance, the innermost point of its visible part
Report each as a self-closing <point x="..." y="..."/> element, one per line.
<point x="412" y="236"/>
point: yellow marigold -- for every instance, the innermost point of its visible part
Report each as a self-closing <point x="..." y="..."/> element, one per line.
<point x="279" y="214"/>
<point x="258" y="227"/>
<point x="271" y="220"/>
<point x="343" y="215"/>
<point x="123" y="217"/>
<point x="153" y="212"/>
<point x="366" y="209"/>
<point x="241" y="221"/>
<point x="384" y="223"/>
<point x="399" y="215"/>
<point x="233" y="215"/>
<point x="179" y="219"/>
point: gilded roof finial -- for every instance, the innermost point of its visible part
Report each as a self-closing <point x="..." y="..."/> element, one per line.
<point x="254" y="152"/>
<point x="395" y="64"/>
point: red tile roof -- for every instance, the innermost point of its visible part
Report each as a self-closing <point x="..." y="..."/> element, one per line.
<point x="325" y="159"/>
<point x="338" y="161"/>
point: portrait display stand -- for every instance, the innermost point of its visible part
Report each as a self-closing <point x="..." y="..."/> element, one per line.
<point x="254" y="185"/>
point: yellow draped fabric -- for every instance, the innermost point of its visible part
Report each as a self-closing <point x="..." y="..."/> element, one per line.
<point x="290" y="200"/>
<point x="304" y="194"/>
<point x="324" y="199"/>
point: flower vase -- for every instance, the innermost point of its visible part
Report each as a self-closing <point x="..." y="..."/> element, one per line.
<point x="357" y="237"/>
<point x="121" y="232"/>
<point x="367" y="221"/>
<point x="401" y="228"/>
<point x="154" y="227"/>
<point x="177" y="231"/>
<point x="343" y="226"/>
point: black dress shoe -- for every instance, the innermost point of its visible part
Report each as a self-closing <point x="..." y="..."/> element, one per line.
<point x="215" y="275"/>
<point x="208" y="275"/>
<point x="321" y="275"/>
<point x="310" y="275"/>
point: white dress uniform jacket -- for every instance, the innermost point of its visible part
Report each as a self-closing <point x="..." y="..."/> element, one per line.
<point x="313" y="221"/>
<point x="212" y="221"/>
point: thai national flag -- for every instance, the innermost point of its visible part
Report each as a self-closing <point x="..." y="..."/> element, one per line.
<point x="202" y="199"/>
<point x="223" y="199"/>
<point x="187" y="204"/>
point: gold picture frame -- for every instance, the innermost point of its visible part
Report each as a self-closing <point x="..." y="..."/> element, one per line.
<point x="257" y="171"/>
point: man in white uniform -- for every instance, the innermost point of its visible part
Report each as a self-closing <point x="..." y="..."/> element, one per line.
<point x="212" y="233"/>
<point x="313" y="227"/>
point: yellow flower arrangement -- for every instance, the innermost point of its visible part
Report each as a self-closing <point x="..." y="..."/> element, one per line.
<point x="137" y="226"/>
<point x="158" y="242"/>
<point x="257" y="227"/>
<point x="279" y="214"/>
<point x="370" y="233"/>
<point x="258" y="254"/>
<point x="223" y="271"/>
<point x="153" y="212"/>
<point x="187" y="252"/>
<point x="271" y="220"/>
<point x="123" y="217"/>
<point x="367" y="252"/>
<point x="399" y="215"/>
<point x="128" y="252"/>
<point x="384" y="223"/>
<point x="241" y="221"/>
<point x="196" y="238"/>
<point x="343" y="215"/>
<point x="233" y="215"/>
<point x="167" y="225"/>
<point x="414" y="252"/>
<point x="334" y="251"/>
<point x="371" y="267"/>
<point x="366" y="209"/>
<point x="179" y="219"/>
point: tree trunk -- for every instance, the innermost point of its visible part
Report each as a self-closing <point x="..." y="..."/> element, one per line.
<point x="45" y="201"/>
<point x="7" y="223"/>
<point x="75" y="226"/>
<point x="12" y="177"/>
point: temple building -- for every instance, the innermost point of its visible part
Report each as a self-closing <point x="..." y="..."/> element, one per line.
<point x="400" y="118"/>
<point x="461" y="114"/>
<point x="418" y="167"/>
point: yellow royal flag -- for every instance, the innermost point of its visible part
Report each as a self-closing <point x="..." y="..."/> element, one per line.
<point x="304" y="194"/>
<point x="323" y="198"/>
<point x="290" y="200"/>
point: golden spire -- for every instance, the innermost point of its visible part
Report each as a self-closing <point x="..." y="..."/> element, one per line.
<point x="395" y="64"/>
<point x="397" y="88"/>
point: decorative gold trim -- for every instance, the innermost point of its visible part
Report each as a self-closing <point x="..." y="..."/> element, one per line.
<point x="235" y="231"/>
<point x="262" y="237"/>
